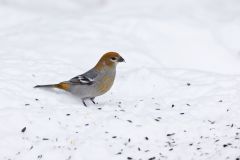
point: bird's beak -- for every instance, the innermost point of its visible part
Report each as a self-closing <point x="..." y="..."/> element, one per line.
<point x="120" y="59"/>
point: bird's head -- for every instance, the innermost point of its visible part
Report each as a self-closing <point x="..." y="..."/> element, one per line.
<point x="109" y="59"/>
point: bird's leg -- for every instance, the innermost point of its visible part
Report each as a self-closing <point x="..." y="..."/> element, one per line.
<point x="83" y="101"/>
<point x="92" y="99"/>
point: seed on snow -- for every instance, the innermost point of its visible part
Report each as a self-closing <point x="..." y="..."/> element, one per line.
<point x="23" y="130"/>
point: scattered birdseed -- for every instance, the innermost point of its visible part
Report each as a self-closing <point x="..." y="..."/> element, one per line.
<point x="130" y="121"/>
<point x="23" y="130"/>
<point x="225" y="145"/>
<point x="212" y="122"/>
<point x="39" y="156"/>
<point x="170" y="134"/>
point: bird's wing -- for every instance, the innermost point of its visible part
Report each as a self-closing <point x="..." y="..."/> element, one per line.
<point x="81" y="79"/>
<point x="87" y="78"/>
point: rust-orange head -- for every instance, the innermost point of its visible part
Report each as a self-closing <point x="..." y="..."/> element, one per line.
<point x="110" y="59"/>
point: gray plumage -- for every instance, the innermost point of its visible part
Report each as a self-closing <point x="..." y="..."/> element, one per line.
<point x="94" y="82"/>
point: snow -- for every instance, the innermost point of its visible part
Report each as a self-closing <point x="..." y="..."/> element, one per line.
<point x="177" y="97"/>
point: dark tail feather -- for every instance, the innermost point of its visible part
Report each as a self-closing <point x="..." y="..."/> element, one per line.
<point x="63" y="85"/>
<point x="46" y="86"/>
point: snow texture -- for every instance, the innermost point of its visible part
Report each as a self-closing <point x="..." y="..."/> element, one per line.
<point x="177" y="97"/>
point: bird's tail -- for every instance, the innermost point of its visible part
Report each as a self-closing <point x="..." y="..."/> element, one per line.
<point x="46" y="86"/>
<point x="62" y="85"/>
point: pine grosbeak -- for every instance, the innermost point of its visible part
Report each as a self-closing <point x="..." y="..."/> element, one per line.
<point x="94" y="82"/>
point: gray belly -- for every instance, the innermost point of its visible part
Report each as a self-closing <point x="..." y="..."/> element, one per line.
<point x="84" y="91"/>
<point x="94" y="90"/>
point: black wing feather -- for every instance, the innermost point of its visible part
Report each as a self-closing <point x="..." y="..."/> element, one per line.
<point x="81" y="79"/>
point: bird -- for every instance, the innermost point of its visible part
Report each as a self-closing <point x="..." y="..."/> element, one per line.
<point x="93" y="83"/>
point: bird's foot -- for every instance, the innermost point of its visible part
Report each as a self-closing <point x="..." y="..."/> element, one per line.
<point x="84" y="103"/>
<point x="92" y="99"/>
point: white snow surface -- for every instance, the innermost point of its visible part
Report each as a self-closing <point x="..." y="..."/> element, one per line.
<point x="176" y="98"/>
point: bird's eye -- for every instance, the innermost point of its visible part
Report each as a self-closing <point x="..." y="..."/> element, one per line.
<point x="113" y="58"/>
